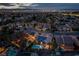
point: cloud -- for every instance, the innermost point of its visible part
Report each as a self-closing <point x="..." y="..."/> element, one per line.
<point x="6" y="4"/>
<point x="25" y="4"/>
<point x="35" y="5"/>
<point x="16" y="5"/>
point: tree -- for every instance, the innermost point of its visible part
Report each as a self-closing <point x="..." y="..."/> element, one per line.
<point x="54" y="43"/>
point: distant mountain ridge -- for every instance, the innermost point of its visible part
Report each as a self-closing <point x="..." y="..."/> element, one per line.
<point x="39" y="10"/>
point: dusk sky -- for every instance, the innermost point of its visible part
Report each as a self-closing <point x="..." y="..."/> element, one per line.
<point x="39" y="5"/>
